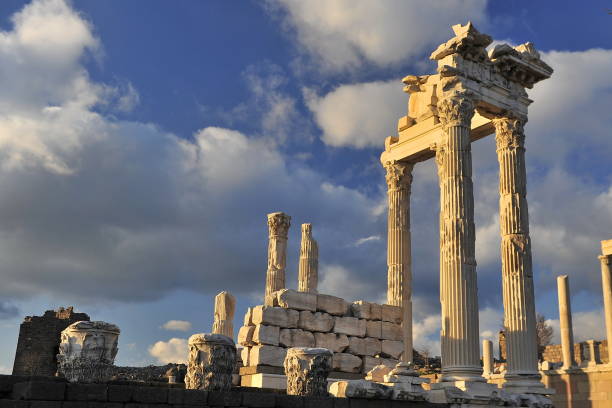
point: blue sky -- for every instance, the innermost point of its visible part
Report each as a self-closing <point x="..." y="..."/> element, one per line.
<point x="142" y="144"/>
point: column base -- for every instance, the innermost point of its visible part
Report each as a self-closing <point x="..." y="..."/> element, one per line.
<point x="458" y="373"/>
<point x="465" y="392"/>
<point x="526" y="384"/>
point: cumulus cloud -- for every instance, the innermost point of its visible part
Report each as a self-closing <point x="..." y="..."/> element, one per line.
<point x="339" y="281"/>
<point x="179" y="325"/>
<point x="172" y="351"/>
<point x="343" y="34"/>
<point x="358" y="115"/>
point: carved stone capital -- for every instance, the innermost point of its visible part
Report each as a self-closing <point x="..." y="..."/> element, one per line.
<point x="456" y="110"/>
<point x="606" y="259"/>
<point x="399" y="175"/>
<point x="509" y="132"/>
<point x="278" y="224"/>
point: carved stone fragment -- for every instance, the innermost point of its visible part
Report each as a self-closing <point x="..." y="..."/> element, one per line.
<point x="87" y="351"/>
<point x="307" y="370"/>
<point x="212" y="358"/>
<point x="278" y="227"/>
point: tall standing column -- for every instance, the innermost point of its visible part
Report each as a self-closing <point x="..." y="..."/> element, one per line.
<point x="517" y="275"/>
<point x="565" y="322"/>
<point x="308" y="273"/>
<point x="606" y="285"/>
<point x="458" y="286"/>
<point x="278" y="226"/>
<point x="487" y="357"/>
<point x="399" y="275"/>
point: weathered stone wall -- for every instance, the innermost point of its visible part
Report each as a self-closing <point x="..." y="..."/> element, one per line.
<point x="583" y="388"/>
<point x="360" y="334"/>
<point x="39" y="338"/>
<point x="46" y="392"/>
<point x="553" y="352"/>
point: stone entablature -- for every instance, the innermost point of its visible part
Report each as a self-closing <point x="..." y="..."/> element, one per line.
<point x="360" y="334"/>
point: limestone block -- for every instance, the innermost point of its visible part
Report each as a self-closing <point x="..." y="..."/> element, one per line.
<point x="392" y="348"/>
<point x="375" y="311"/>
<point x="373" y="328"/>
<point x="307" y="369"/>
<point x="351" y="326"/>
<point x="332" y="341"/>
<point x="275" y="316"/>
<point x="267" y="355"/>
<point x="332" y="305"/>
<point x="292" y="299"/>
<point x="359" y="389"/>
<point x="370" y="362"/>
<point x="296" y="338"/>
<point x="391" y="331"/>
<point x="245" y="335"/>
<point x="361" y="309"/>
<point x="263" y="334"/>
<point x="378" y="373"/>
<point x="364" y="346"/>
<point x="248" y="317"/>
<point x="391" y="314"/>
<point x="346" y="363"/>
<point x="315" y="322"/>
<point x="244" y="355"/>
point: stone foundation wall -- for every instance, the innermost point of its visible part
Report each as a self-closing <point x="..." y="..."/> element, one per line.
<point x="39" y="338"/>
<point x="582" y="388"/>
<point x="553" y="352"/>
<point x="360" y="334"/>
<point x="47" y="392"/>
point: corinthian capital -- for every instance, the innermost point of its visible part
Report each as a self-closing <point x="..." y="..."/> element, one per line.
<point x="399" y="174"/>
<point x="456" y="110"/>
<point x="278" y="224"/>
<point x="509" y="132"/>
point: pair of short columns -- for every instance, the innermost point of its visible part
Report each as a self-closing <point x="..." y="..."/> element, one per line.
<point x="458" y="281"/>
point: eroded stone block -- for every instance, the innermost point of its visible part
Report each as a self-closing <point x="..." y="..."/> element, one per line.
<point x="315" y="322"/>
<point x="332" y="305"/>
<point x="267" y="355"/>
<point x="263" y="334"/>
<point x="373" y="328"/>
<point x="351" y="326"/>
<point x="346" y="363"/>
<point x="275" y="316"/>
<point x="361" y="309"/>
<point x="361" y="389"/>
<point x="370" y="362"/>
<point x="244" y="355"/>
<point x="296" y="338"/>
<point x="247" y="317"/>
<point x="391" y="331"/>
<point x="292" y="299"/>
<point x="375" y="311"/>
<point x="245" y="335"/>
<point x="332" y="341"/>
<point x="392" y="348"/>
<point x="391" y="314"/>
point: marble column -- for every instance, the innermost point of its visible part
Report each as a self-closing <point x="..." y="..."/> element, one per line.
<point x="606" y="285"/>
<point x="278" y="227"/>
<point x="487" y="357"/>
<point x="517" y="275"/>
<point x="399" y="275"/>
<point x="458" y="285"/>
<point x="565" y="322"/>
<point x="212" y="358"/>
<point x="307" y="370"/>
<point x="308" y="273"/>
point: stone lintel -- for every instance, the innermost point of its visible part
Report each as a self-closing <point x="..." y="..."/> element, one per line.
<point x="415" y="143"/>
<point x="606" y="247"/>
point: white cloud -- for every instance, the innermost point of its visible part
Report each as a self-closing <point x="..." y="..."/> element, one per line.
<point x="344" y="34"/>
<point x="338" y="281"/>
<point x="180" y="325"/>
<point x="359" y="115"/>
<point x="174" y="350"/>
<point x="371" y="238"/>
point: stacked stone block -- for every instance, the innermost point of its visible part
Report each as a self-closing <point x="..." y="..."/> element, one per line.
<point x="360" y="335"/>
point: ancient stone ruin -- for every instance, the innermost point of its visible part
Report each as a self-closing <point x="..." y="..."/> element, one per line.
<point x="39" y="339"/>
<point x="87" y="351"/>
<point x="225" y="306"/>
<point x="307" y="369"/>
<point x="211" y="362"/>
<point x="308" y="273"/>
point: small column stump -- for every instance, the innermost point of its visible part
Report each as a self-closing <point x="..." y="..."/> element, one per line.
<point x="307" y="369"/>
<point x="211" y="362"/>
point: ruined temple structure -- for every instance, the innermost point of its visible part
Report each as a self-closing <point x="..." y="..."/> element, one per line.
<point x="39" y="339"/>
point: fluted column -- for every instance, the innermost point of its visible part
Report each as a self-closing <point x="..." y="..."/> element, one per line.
<point x="487" y="357"/>
<point x="308" y="273"/>
<point x="278" y="226"/>
<point x="399" y="275"/>
<point x="565" y="322"/>
<point x="517" y="275"/>
<point x="606" y="285"/>
<point x="458" y="286"/>
<point x="225" y="306"/>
